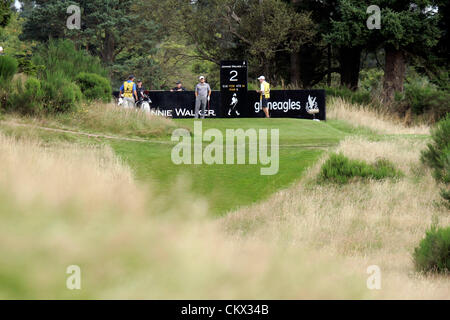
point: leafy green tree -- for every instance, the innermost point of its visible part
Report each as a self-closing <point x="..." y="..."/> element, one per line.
<point x="268" y="27"/>
<point x="5" y="12"/>
<point x="46" y="19"/>
<point x="236" y="29"/>
<point x="435" y="64"/>
<point x="408" y="28"/>
<point x="110" y="29"/>
<point x="350" y="35"/>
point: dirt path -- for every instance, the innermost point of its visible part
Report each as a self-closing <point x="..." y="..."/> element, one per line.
<point x="90" y="135"/>
<point x="103" y="136"/>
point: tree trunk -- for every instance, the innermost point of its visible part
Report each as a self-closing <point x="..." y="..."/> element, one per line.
<point x="108" y="48"/>
<point x="350" y="61"/>
<point x="394" y="73"/>
<point x="295" y="68"/>
<point x="329" y="65"/>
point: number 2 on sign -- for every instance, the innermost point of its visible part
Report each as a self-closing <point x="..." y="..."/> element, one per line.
<point x="233" y="77"/>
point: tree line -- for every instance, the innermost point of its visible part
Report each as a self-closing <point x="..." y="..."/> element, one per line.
<point x="301" y="43"/>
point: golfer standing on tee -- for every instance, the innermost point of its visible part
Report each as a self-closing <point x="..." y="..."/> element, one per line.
<point x="202" y="97"/>
<point x="264" y="95"/>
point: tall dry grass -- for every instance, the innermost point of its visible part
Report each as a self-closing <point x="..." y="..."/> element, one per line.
<point x="375" y="223"/>
<point x="66" y="205"/>
<point x="376" y="120"/>
<point x="106" y="118"/>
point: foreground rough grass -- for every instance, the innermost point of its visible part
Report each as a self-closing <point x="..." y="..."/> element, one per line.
<point x="63" y="204"/>
<point x="376" y="223"/>
<point x="67" y="205"/>
<point x="364" y="116"/>
<point x="101" y="118"/>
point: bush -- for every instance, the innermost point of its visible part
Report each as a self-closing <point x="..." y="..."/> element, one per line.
<point x="8" y="68"/>
<point x="61" y="95"/>
<point x="27" y="99"/>
<point x="61" y="56"/>
<point x="51" y="96"/>
<point x="359" y="96"/>
<point x="340" y="169"/>
<point x="94" y="87"/>
<point x="27" y="66"/>
<point x="433" y="252"/>
<point x="423" y="99"/>
<point x="437" y="155"/>
<point x="371" y="80"/>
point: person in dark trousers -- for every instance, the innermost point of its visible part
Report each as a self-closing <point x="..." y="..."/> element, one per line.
<point x="178" y="88"/>
<point x="140" y="91"/>
<point x="202" y="97"/>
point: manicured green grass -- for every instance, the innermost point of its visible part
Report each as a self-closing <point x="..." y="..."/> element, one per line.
<point x="292" y="131"/>
<point x="225" y="187"/>
<point x="229" y="186"/>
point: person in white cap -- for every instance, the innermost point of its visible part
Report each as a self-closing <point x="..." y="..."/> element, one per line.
<point x="202" y="97"/>
<point x="264" y="95"/>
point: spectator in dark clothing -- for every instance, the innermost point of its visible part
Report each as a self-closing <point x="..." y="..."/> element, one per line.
<point x="140" y="90"/>
<point x="178" y="88"/>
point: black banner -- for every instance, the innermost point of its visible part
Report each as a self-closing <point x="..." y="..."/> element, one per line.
<point x="290" y="104"/>
<point x="282" y="104"/>
<point x="233" y="88"/>
<point x="229" y="309"/>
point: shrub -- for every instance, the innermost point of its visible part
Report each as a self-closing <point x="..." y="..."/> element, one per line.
<point x="433" y="252"/>
<point x="423" y="98"/>
<point x="371" y="80"/>
<point x="359" y="96"/>
<point x="340" y="169"/>
<point x="94" y="87"/>
<point x="27" y="66"/>
<point x="8" y="68"/>
<point x="28" y="98"/>
<point x="61" y="56"/>
<point x="49" y="96"/>
<point x="437" y="155"/>
<point x="61" y="95"/>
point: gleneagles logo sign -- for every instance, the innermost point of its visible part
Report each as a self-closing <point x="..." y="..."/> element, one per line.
<point x="284" y="106"/>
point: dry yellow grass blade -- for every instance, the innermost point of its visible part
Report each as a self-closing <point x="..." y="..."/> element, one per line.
<point x="358" y="115"/>
<point x="68" y="205"/>
<point x="376" y="223"/>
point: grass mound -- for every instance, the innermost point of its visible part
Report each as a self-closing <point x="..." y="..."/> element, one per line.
<point x="91" y="213"/>
<point x="340" y="169"/>
<point x="109" y="119"/>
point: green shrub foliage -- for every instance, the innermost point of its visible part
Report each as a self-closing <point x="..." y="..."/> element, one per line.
<point x="437" y="155"/>
<point x="94" y="86"/>
<point x="8" y="68"/>
<point x="433" y="252"/>
<point x="61" y="95"/>
<point x="340" y="169"/>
